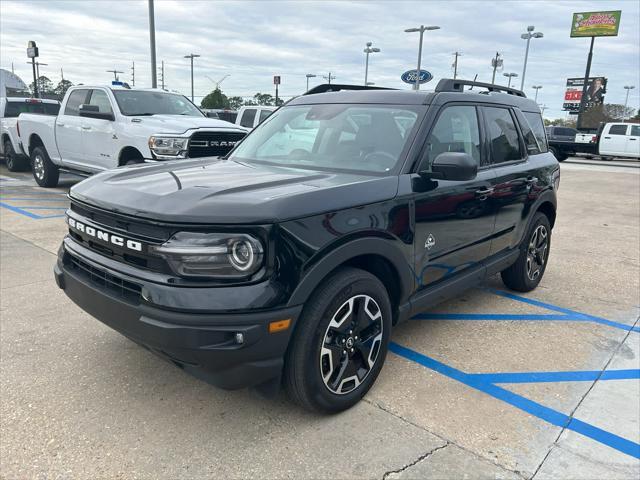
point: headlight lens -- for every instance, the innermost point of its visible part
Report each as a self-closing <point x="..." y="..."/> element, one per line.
<point x="168" y="146"/>
<point x="214" y="255"/>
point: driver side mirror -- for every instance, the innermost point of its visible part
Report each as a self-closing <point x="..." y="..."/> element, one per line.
<point x="93" y="111"/>
<point x="455" y="166"/>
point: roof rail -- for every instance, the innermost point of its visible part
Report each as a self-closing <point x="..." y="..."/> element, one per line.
<point x="335" y="87"/>
<point x="455" y="85"/>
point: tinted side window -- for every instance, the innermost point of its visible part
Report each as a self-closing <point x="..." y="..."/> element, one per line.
<point x="76" y="99"/>
<point x="566" y="132"/>
<point x="247" y="117"/>
<point x="264" y="114"/>
<point x="635" y="130"/>
<point x="618" y="130"/>
<point x="100" y="99"/>
<point x="537" y="125"/>
<point x="504" y="142"/>
<point x="13" y="109"/>
<point x="456" y="130"/>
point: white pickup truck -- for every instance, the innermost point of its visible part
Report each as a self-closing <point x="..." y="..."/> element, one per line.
<point x="10" y="108"/>
<point x="99" y="128"/>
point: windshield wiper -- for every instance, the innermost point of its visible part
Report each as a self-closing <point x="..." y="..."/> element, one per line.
<point x="140" y="114"/>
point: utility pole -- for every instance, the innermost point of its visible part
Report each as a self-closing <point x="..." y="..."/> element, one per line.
<point x="12" y="68"/>
<point x="36" y="73"/>
<point x="455" y="64"/>
<point x="133" y="74"/>
<point x="495" y="63"/>
<point x="191" y="56"/>
<point x="115" y="73"/>
<point x="329" y="78"/>
<point x="61" y="74"/>
<point x="152" y="42"/>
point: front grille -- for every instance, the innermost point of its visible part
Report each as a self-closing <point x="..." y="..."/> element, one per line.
<point x="213" y="144"/>
<point x="122" y="288"/>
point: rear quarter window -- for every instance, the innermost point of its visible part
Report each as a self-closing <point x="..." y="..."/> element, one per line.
<point x="537" y="126"/>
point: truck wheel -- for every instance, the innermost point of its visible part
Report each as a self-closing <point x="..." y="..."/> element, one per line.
<point x="340" y="342"/>
<point x="14" y="162"/>
<point x="525" y="274"/>
<point x="561" y="157"/>
<point x="44" y="171"/>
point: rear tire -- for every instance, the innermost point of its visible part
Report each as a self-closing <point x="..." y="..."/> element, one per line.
<point x="340" y="342"/>
<point x="525" y="274"/>
<point x="14" y="162"/>
<point x="45" y="172"/>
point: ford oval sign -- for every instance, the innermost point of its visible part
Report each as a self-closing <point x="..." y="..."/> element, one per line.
<point x="410" y="76"/>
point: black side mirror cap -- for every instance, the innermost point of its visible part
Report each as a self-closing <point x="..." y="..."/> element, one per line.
<point x="93" y="111"/>
<point x="454" y="166"/>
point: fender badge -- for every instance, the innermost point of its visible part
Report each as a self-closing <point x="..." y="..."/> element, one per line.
<point x="430" y="243"/>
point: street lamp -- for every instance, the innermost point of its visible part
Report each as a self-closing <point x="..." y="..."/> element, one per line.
<point x="368" y="50"/>
<point x="536" y="88"/>
<point x="309" y="75"/>
<point x="510" y="75"/>
<point x="191" y="56"/>
<point x="528" y="36"/>
<point x="420" y="29"/>
<point x="626" y="100"/>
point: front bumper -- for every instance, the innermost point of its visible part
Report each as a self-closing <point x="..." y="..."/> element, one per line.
<point x="204" y="343"/>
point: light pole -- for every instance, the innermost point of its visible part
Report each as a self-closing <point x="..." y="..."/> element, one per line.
<point x="536" y="88"/>
<point x="368" y="50"/>
<point x="309" y="75"/>
<point x="152" y="45"/>
<point x="510" y="75"/>
<point x="528" y="36"/>
<point x="115" y="73"/>
<point x="420" y="29"/>
<point x="626" y="100"/>
<point x="191" y="56"/>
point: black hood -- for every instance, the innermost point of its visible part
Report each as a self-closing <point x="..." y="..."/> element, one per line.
<point x="225" y="191"/>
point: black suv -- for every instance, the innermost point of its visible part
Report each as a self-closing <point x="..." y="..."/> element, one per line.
<point x="290" y="260"/>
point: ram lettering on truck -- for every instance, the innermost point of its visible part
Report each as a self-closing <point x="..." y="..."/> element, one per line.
<point x="99" y="128"/>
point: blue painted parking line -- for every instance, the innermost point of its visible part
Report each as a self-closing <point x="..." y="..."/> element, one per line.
<point x="27" y="213"/>
<point x="563" y="315"/>
<point x="538" y="410"/>
<point x="546" y="377"/>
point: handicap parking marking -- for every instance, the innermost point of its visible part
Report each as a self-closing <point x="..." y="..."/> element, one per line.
<point x="24" y="210"/>
<point x="488" y="382"/>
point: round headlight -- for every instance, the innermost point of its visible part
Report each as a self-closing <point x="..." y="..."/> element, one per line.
<point x="242" y="255"/>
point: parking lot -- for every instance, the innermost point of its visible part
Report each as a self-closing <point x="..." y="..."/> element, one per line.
<point x="491" y="385"/>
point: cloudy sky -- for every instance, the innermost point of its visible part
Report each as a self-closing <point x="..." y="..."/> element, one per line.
<point x="252" y="41"/>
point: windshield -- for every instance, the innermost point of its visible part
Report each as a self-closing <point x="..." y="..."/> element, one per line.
<point x="367" y="138"/>
<point x="137" y="102"/>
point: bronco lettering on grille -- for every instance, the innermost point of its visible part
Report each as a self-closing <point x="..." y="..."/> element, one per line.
<point x="104" y="236"/>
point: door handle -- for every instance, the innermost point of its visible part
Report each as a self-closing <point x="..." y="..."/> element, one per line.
<point x="633" y="139"/>
<point x="86" y="128"/>
<point x="60" y="124"/>
<point x="608" y="138"/>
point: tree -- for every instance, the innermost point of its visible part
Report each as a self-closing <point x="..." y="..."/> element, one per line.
<point x="45" y="87"/>
<point x="264" y="99"/>
<point x="560" y="122"/>
<point x="608" y="112"/>
<point x="215" y="99"/>
<point x="62" y="88"/>
<point x="235" y="103"/>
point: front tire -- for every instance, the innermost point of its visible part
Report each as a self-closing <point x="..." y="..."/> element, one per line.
<point x="525" y="274"/>
<point x="340" y="342"/>
<point x="561" y="157"/>
<point x="45" y="172"/>
<point x="14" y="162"/>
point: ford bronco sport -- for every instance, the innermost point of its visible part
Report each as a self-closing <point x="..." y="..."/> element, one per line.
<point x="290" y="260"/>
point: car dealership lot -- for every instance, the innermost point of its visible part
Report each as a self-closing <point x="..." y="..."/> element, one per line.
<point x="491" y="385"/>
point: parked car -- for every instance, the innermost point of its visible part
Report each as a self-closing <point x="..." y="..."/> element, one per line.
<point x="619" y="140"/>
<point x="290" y="260"/>
<point x="10" y="108"/>
<point x="252" y="116"/>
<point x="99" y="128"/>
<point x="221" y="114"/>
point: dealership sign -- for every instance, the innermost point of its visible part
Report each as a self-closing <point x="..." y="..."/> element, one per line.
<point x="596" y="88"/>
<point x="596" y="24"/>
<point x="410" y="76"/>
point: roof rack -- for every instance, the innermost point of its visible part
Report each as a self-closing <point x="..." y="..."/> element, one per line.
<point x="334" y="87"/>
<point x="455" y="85"/>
